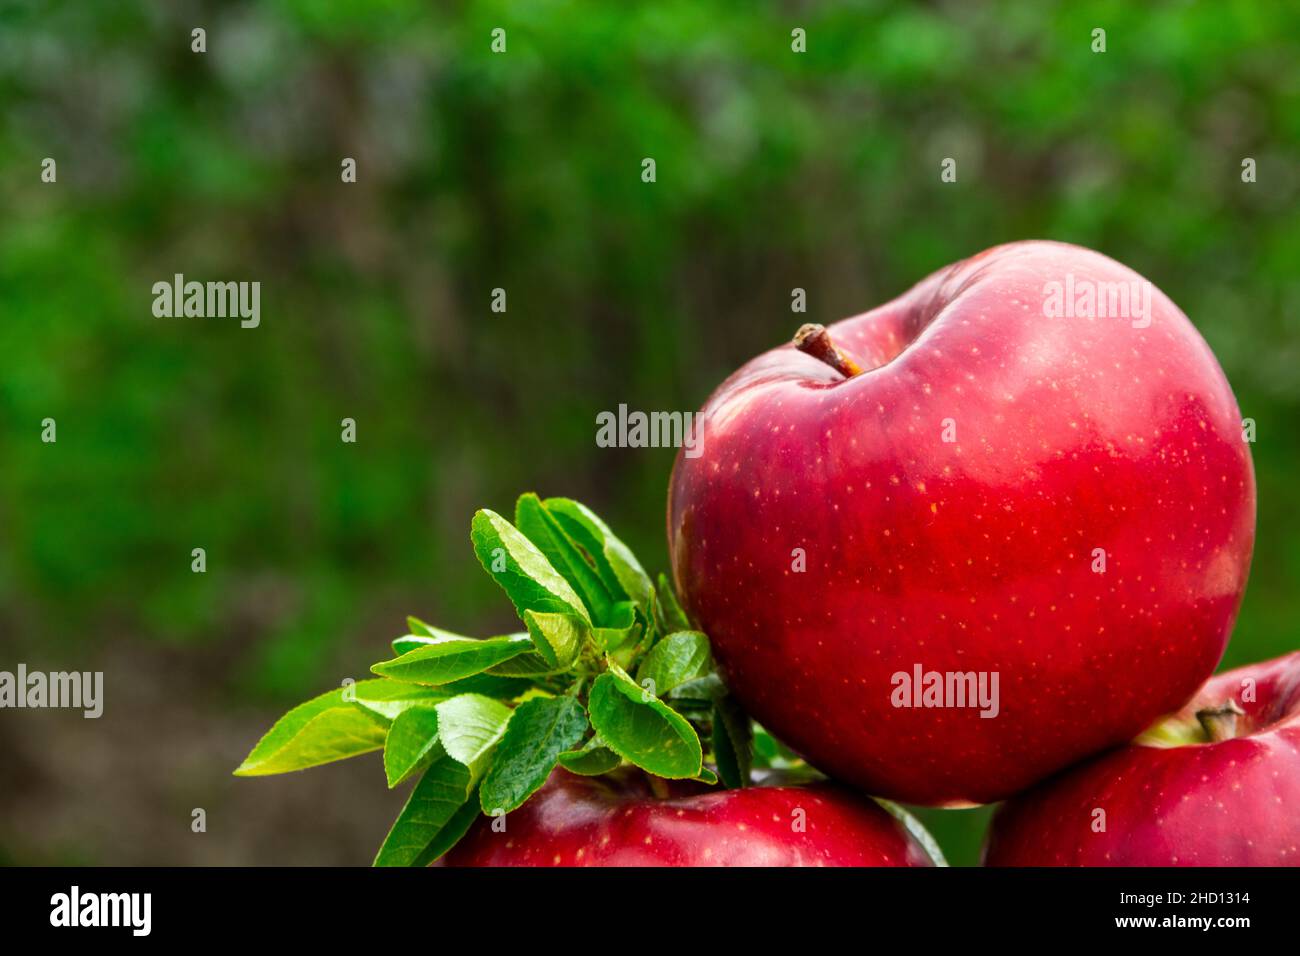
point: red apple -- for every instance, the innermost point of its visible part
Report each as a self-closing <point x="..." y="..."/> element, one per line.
<point x="1060" y="502"/>
<point x="618" y="821"/>
<point x="1221" y="790"/>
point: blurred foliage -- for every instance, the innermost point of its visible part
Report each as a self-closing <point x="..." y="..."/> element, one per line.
<point x="522" y="171"/>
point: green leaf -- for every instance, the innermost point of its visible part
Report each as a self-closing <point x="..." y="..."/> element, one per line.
<point x="542" y="529"/>
<point x="592" y="760"/>
<point x="469" y="727"/>
<point x="490" y="685"/>
<point x="706" y="688"/>
<point x="615" y="562"/>
<point x="389" y="701"/>
<point x="420" y="629"/>
<point x="917" y="829"/>
<point x="523" y="572"/>
<point x="733" y="749"/>
<point x="410" y="743"/>
<point x="452" y="830"/>
<point x="696" y="711"/>
<point x="540" y="730"/>
<point x="526" y="666"/>
<point x="676" y="659"/>
<point x="422" y="634"/>
<point x="557" y="637"/>
<point x="434" y="818"/>
<point x="707" y="776"/>
<point x="674" y="617"/>
<point x="637" y="642"/>
<point x="642" y="728"/>
<point x="409" y="642"/>
<point x="452" y="657"/>
<point x="324" y="729"/>
<point x="387" y="698"/>
<point x="620" y="628"/>
<point x="771" y="753"/>
<point x="436" y="805"/>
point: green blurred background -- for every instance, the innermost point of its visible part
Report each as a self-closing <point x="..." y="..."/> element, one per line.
<point x="521" y="171"/>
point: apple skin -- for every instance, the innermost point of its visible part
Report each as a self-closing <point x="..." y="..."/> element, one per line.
<point x="1232" y="803"/>
<point x="617" y="821"/>
<point x="973" y="555"/>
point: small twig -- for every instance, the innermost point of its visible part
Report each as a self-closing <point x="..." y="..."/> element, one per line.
<point x="1220" y="723"/>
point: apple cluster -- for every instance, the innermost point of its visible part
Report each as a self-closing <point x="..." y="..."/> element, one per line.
<point x="979" y="544"/>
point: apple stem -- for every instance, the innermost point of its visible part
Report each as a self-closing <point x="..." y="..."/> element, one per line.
<point x="814" y="340"/>
<point x="1220" y="723"/>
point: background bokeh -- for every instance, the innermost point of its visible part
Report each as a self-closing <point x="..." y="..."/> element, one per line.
<point x="519" y="171"/>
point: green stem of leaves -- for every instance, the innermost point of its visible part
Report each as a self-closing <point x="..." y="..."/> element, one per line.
<point x="487" y="721"/>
